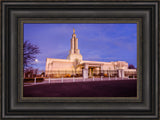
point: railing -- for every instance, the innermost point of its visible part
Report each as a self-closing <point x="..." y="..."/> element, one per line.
<point x="73" y="79"/>
<point x="69" y="74"/>
<point x="77" y="76"/>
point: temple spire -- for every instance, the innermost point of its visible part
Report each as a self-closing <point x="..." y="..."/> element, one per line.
<point x="74" y="51"/>
<point x="73" y="31"/>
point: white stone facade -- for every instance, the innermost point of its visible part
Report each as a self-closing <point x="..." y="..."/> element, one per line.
<point x="75" y="61"/>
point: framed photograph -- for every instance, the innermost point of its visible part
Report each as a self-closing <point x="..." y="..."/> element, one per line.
<point x="80" y="60"/>
<point x="85" y="69"/>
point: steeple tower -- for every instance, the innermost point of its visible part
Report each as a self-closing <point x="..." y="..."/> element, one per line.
<point x="73" y="31"/>
<point x="74" y="52"/>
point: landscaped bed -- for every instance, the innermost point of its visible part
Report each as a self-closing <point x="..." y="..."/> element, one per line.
<point x="31" y="80"/>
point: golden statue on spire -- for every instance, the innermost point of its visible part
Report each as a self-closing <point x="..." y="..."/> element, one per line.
<point x="73" y="30"/>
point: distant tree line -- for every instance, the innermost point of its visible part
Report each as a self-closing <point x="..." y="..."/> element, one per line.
<point x="131" y="66"/>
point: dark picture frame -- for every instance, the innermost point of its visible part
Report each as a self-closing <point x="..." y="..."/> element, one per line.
<point x="15" y="13"/>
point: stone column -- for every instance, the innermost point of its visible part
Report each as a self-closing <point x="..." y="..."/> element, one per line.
<point x="85" y="71"/>
<point x="122" y="73"/>
<point x="119" y="73"/>
<point x="101" y="70"/>
<point x="101" y="67"/>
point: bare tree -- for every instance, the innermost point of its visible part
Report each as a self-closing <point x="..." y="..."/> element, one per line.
<point x="30" y="72"/>
<point x="75" y="64"/>
<point x="29" y="53"/>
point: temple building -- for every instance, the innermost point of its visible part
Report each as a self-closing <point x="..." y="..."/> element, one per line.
<point x="75" y="62"/>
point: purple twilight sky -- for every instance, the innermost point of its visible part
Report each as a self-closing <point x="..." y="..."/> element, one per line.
<point x="97" y="42"/>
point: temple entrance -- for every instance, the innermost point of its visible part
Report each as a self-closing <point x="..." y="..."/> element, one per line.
<point x="91" y="71"/>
